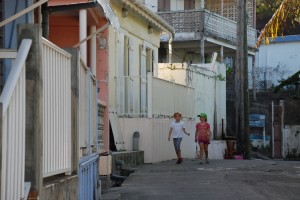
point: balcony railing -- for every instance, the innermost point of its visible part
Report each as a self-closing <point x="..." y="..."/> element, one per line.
<point x="212" y="24"/>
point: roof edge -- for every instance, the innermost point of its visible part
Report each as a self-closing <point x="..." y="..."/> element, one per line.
<point x="149" y="15"/>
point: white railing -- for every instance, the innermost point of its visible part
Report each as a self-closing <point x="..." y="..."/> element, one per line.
<point x="146" y="96"/>
<point x="225" y="28"/>
<point x="12" y="127"/>
<point x="56" y="109"/>
<point x="88" y="111"/>
<point x="193" y="21"/>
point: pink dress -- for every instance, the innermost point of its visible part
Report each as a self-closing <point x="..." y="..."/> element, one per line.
<point x="203" y="134"/>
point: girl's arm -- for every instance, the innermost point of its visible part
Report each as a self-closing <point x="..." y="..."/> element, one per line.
<point x="208" y="133"/>
<point x="196" y="134"/>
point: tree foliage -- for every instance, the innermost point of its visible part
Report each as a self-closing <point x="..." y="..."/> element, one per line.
<point x="264" y="11"/>
<point x="289" y="10"/>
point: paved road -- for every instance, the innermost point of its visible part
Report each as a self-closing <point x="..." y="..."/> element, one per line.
<point x="220" y="179"/>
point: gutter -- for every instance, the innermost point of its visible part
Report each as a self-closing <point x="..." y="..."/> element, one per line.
<point x="71" y="6"/>
<point x="149" y="15"/>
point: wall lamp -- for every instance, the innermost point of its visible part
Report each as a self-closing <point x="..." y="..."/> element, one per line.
<point x="124" y="12"/>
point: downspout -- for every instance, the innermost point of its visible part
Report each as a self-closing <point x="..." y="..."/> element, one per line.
<point x="170" y="49"/>
<point x="273" y="149"/>
<point x="93" y="50"/>
<point x="83" y="34"/>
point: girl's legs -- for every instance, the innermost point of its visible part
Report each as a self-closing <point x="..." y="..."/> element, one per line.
<point x="201" y="151"/>
<point x="206" y="152"/>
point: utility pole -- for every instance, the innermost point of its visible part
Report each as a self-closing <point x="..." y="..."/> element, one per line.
<point x="241" y="81"/>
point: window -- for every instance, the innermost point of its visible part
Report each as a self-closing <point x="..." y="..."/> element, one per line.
<point x="189" y="4"/>
<point x="163" y="5"/>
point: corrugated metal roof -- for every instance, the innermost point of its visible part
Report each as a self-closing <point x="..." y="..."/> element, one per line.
<point x="287" y="38"/>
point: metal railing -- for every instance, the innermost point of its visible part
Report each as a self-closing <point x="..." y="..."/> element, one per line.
<point x="56" y="109"/>
<point x="195" y="21"/>
<point x="146" y="96"/>
<point x="12" y="127"/>
<point x="88" y="177"/>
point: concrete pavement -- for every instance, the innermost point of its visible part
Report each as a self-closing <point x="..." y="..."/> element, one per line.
<point x="220" y="179"/>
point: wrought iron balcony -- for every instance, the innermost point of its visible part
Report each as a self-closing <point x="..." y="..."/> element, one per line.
<point x="211" y="24"/>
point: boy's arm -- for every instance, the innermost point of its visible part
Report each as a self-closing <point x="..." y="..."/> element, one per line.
<point x="170" y="131"/>
<point x="185" y="131"/>
<point x="196" y="134"/>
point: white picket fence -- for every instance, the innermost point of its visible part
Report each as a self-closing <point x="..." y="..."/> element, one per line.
<point x="12" y="127"/>
<point x="56" y="109"/>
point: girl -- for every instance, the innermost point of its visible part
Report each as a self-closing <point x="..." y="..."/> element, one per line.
<point x="202" y="136"/>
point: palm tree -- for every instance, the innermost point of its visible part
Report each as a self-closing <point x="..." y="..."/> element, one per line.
<point x="288" y="10"/>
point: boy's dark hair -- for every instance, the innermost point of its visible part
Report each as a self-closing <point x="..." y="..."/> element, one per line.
<point x="177" y="113"/>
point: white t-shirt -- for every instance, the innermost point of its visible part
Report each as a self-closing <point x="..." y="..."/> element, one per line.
<point x="177" y="129"/>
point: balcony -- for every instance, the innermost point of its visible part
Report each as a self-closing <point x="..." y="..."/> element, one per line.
<point x="189" y="23"/>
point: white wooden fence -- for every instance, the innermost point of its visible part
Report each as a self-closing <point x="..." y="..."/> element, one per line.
<point x="150" y="96"/>
<point x="56" y="109"/>
<point x="88" y="111"/>
<point x="169" y="97"/>
<point x="12" y="127"/>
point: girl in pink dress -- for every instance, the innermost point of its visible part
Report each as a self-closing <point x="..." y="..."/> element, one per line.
<point x="202" y="136"/>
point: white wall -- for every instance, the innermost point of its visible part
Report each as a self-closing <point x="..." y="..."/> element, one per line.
<point x="151" y="4"/>
<point x="210" y="94"/>
<point x="154" y="139"/>
<point x="281" y="59"/>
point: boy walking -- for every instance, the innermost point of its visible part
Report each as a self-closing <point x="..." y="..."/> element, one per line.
<point x="178" y="128"/>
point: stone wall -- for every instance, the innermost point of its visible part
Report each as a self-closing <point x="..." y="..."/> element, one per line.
<point x="61" y="188"/>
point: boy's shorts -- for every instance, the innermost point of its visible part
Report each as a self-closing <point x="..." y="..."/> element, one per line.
<point x="177" y="142"/>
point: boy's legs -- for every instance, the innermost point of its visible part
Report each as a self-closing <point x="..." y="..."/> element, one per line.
<point x="179" y="155"/>
<point x="177" y="142"/>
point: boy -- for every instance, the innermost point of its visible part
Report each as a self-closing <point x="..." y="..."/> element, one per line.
<point x="178" y="128"/>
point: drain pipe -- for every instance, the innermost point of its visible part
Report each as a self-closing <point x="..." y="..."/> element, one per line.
<point x="170" y="49"/>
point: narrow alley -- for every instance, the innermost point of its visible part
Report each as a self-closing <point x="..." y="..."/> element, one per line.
<point x="220" y="179"/>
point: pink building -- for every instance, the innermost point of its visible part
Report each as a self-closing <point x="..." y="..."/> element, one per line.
<point x="74" y="24"/>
